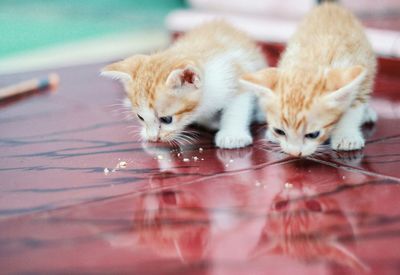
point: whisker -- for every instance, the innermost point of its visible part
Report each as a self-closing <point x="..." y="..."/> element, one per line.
<point x="134" y="126"/>
<point x="184" y="138"/>
<point x="191" y="139"/>
<point x="191" y="133"/>
<point x="171" y="143"/>
<point x="179" y="142"/>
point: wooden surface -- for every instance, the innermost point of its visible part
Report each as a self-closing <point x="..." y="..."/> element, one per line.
<point x="248" y="211"/>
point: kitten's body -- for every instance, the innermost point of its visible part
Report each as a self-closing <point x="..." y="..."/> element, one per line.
<point x="322" y="85"/>
<point x="330" y="37"/>
<point x="194" y="81"/>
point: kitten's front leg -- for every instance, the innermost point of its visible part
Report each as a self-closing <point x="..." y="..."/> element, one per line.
<point x="235" y="123"/>
<point x="347" y="135"/>
<point x="370" y="115"/>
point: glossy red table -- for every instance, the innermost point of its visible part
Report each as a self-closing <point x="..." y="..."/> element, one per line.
<point x="188" y="210"/>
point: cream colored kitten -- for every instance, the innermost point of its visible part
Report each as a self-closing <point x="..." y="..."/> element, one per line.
<point x="322" y="85"/>
<point x="194" y="81"/>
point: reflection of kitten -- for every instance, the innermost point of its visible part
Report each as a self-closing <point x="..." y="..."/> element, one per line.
<point x="165" y="223"/>
<point x="172" y="223"/>
<point x="192" y="82"/>
<point x="308" y="230"/>
<point x="322" y="85"/>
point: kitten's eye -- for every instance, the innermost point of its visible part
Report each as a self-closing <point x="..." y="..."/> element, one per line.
<point x="279" y="132"/>
<point x="140" y="117"/>
<point x="166" y="119"/>
<point x="312" y="135"/>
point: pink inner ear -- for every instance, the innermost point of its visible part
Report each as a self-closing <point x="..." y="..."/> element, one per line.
<point x="187" y="76"/>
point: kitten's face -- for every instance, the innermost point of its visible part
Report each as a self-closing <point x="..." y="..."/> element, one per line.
<point x="302" y="107"/>
<point x="300" y="132"/>
<point x="165" y="111"/>
<point x="163" y="96"/>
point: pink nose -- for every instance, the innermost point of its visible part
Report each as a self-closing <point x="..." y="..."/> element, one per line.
<point x="153" y="138"/>
<point x="295" y="153"/>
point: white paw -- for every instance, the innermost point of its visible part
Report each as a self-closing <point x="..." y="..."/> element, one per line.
<point x="231" y="140"/>
<point x="347" y="141"/>
<point x="369" y="115"/>
<point x="270" y="137"/>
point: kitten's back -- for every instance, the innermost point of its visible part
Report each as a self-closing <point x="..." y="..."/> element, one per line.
<point x="328" y="34"/>
<point x="214" y="38"/>
<point x="331" y="37"/>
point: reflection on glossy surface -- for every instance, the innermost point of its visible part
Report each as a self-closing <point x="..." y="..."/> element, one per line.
<point x="308" y="230"/>
<point x="190" y="210"/>
<point x="170" y="223"/>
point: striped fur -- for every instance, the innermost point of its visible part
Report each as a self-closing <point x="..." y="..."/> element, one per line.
<point x="192" y="81"/>
<point x="322" y="84"/>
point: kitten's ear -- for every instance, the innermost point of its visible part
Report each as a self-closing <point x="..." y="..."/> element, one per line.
<point x="261" y="83"/>
<point x="186" y="77"/>
<point x="344" y="84"/>
<point x="124" y="70"/>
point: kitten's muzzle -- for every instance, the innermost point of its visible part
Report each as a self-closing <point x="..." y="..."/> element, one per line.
<point x="152" y="135"/>
<point x="154" y="139"/>
<point x="295" y="154"/>
<point x="294" y="151"/>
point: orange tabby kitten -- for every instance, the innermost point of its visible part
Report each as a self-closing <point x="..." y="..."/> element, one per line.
<point x="194" y="81"/>
<point x="322" y="85"/>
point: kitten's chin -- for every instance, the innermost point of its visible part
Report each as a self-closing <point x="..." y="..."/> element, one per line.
<point x="159" y="140"/>
<point x="154" y="141"/>
<point x="300" y="154"/>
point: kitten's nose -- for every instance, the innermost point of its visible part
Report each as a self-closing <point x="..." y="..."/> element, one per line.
<point x="294" y="150"/>
<point x="152" y="135"/>
<point x="295" y="153"/>
<point x="153" y="138"/>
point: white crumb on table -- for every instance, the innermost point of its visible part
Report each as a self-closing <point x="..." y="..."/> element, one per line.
<point x="122" y="164"/>
<point x="195" y="158"/>
<point x="186" y="160"/>
<point x="200" y="150"/>
<point x="106" y="171"/>
<point x="288" y="185"/>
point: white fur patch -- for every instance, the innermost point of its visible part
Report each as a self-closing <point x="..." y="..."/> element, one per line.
<point x="347" y="135"/>
<point x="127" y="103"/>
<point x="116" y="75"/>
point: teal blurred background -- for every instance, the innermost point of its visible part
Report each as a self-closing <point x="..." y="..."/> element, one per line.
<point x="31" y="24"/>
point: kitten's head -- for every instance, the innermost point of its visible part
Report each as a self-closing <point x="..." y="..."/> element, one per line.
<point x="164" y="93"/>
<point x="303" y="106"/>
